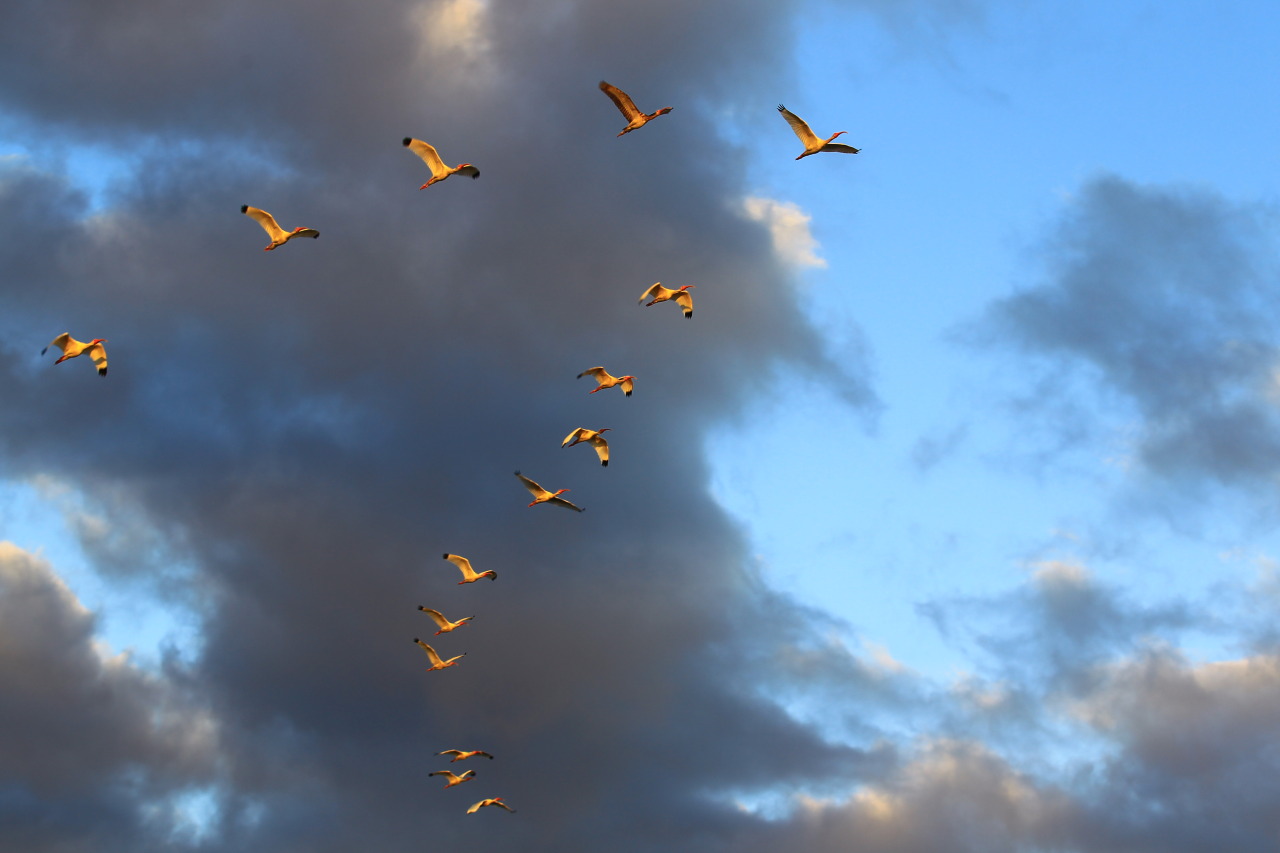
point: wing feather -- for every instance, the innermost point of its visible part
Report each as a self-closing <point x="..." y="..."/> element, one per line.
<point x="266" y="220"/>
<point x="799" y="126"/>
<point x="621" y="100"/>
<point x="429" y="156"/>
<point x="62" y="341"/>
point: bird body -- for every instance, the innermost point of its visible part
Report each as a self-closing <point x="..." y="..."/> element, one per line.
<point x="469" y="575"/>
<point x="444" y="624"/>
<point x="278" y="235"/>
<point x="451" y="779"/>
<point x="464" y="754"/>
<point x="682" y="297"/>
<point x="492" y="801"/>
<point x="71" y="348"/>
<point x="812" y="144"/>
<point x="541" y="495"/>
<point x="635" y="118"/>
<point x="604" y="379"/>
<point x="593" y="437"/>
<point x="436" y="661"/>
<point x="439" y="171"/>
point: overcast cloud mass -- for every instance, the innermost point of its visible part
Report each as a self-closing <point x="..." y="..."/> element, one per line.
<point x="288" y="441"/>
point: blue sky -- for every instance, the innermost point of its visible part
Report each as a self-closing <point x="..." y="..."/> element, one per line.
<point x="948" y="518"/>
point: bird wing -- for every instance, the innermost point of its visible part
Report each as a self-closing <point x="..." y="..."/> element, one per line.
<point x="448" y="773"/>
<point x="436" y="616"/>
<point x="429" y="156"/>
<point x="307" y="232"/>
<point x="453" y="752"/>
<point x="627" y="386"/>
<point x="482" y="752"/>
<point x="602" y="449"/>
<point x="62" y="342"/>
<point x="685" y="300"/>
<point x="476" y="807"/>
<point x="266" y="220"/>
<point x="562" y="502"/>
<point x="798" y="125"/>
<point x="621" y="100"/>
<point x="431" y="653"/>
<point x="599" y="374"/>
<point x="574" y="437"/>
<point x="840" y="148"/>
<point x="99" y="356"/>
<point x="470" y="171"/>
<point x="462" y="563"/>
<point x="656" y="290"/>
<point x="534" y="489"/>
<point x="498" y="802"/>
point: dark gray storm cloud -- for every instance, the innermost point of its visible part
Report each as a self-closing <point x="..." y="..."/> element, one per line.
<point x="313" y="427"/>
<point x="1161" y="304"/>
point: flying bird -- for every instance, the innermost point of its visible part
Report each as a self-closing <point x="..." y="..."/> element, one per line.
<point x="682" y="297"/>
<point x="436" y="661"/>
<point x="451" y="779"/>
<point x="71" y="348"/>
<point x="439" y="171"/>
<point x="492" y="801"/>
<point x="541" y="495"/>
<point x="463" y="755"/>
<point x="444" y="624"/>
<point x="589" y="435"/>
<point x="627" y="107"/>
<point x="469" y="574"/>
<point x="605" y="380"/>
<point x="812" y="144"/>
<point x="278" y="235"/>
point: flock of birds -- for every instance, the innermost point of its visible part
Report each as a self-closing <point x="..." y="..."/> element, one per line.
<point x="71" y="348"/>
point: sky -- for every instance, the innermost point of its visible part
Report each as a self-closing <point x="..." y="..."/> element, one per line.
<point x="946" y="523"/>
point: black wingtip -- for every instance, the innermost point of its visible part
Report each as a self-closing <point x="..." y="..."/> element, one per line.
<point x="517" y="473"/>
<point x="407" y="141"/>
<point x="781" y="108"/>
<point x="420" y="607"/>
<point x="605" y="463"/>
<point x="244" y="208"/>
<point x="446" y="556"/>
<point x="416" y="640"/>
<point x="628" y="394"/>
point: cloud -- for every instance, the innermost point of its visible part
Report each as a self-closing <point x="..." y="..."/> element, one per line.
<point x="789" y="227"/>
<point x="1157" y="304"/>
<point x="89" y="740"/>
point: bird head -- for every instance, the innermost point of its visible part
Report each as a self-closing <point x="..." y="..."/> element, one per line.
<point x="689" y="287"/>
<point x="299" y="228"/>
<point x="561" y="491"/>
<point x="663" y="111"/>
<point x="97" y="341"/>
<point x="606" y="429"/>
<point x="632" y="378"/>
<point x="838" y="133"/>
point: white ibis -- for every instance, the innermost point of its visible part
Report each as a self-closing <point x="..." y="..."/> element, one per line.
<point x="436" y="661"/>
<point x="627" y="107"/>
<point x="464" y="754"/>
<point x="812" y="144"/>
<point x="682" y="297"/>
<point x="606" y="380"/>
<point x="492" y="801"/>
<point x="439" y="171"/>
<point x="450" y="779"/>
<point x="278" y="235"/>
<point x="71" y="348"/>
<point x="542" y="496"/>
<point x="469" y="574"/>
<point x="442" y="623"/>
<point x="589" y="435"/>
